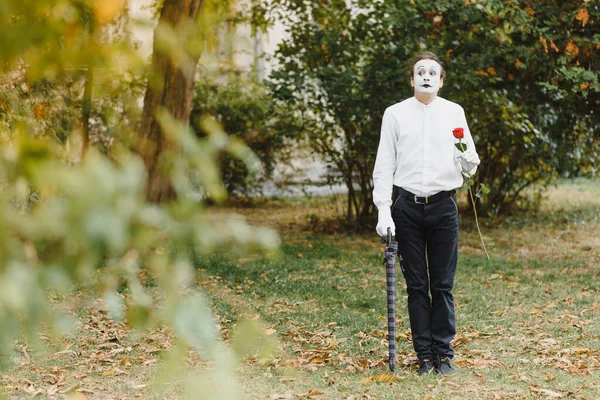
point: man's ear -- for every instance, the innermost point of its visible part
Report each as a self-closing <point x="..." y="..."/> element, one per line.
<point x="441" y="82"/>
<point x="412" y="82"/>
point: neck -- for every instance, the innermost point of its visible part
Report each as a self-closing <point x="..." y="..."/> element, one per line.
<point x="425" y="98"/>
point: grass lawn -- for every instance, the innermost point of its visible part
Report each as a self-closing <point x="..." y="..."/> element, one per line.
<point x="528" y="323"/>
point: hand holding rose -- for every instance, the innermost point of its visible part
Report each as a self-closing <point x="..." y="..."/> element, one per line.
<point x="468" y="159"/>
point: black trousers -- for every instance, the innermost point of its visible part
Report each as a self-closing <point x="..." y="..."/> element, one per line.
<point x="427" y="236"/>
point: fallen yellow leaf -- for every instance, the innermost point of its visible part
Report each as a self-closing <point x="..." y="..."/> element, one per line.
<point x="546" y="392"/>
<point x="464" y="363"/>
<point x="382" y="378"/>
<point x="270" y="331"/>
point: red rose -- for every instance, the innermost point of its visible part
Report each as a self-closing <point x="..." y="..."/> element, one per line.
<point x="458" y="133"/>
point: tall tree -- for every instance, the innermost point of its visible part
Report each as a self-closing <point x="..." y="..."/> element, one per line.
<point x="525" y="71"/>
<point x="171" y="87"/>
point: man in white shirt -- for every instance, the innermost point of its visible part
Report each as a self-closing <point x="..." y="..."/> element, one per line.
<point x="417" y="171"/>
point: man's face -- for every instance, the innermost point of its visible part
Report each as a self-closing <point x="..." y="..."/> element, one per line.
<point x="427" y="77"/>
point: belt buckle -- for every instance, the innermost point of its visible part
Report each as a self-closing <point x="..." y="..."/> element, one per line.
<point x="418" y="202"/>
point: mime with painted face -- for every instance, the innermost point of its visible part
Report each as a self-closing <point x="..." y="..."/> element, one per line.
<point x="417" y="171"/>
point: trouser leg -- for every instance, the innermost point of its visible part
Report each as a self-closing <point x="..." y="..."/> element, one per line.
<point x="442" y="254"/>
<point x="410" y="235"/>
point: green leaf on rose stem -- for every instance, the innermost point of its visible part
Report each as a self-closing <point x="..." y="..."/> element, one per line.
<point x="484" y="189"/>
<point x="470" y="182"/>
<point x="461" y="146"/>
<point x="478" y="195"/>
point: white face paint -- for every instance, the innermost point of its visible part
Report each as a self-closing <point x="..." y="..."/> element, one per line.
<point x="427" y="77"/>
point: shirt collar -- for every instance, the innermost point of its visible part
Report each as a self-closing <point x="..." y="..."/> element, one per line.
<point x="420" y="105"/>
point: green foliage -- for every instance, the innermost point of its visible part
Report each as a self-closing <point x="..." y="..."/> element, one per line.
<point x="50" y="102"/>
<point x="93" y="216"/>
<point x="328" y="71"/>
<point x="525" y="72"/>
<point x="535" y="90"/>
<point x="247" y="113"/>
<point x="69" y="223"/>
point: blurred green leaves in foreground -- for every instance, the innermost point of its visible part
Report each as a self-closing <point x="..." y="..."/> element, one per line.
<point x="74" y="217"/>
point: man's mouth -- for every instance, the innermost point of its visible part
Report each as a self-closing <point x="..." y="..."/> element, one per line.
<point x="427" y="85"/>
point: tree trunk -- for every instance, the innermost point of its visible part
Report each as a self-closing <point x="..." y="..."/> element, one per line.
<point x="171" y="89"/>
<point x="88" y="87"/>
<point x="86" y="108"/>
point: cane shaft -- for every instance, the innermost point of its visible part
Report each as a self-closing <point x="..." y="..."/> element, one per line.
<point x="391" y="307"/>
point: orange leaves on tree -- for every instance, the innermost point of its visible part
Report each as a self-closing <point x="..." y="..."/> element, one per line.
<point x="572" y="50"/>
<point x="41" y="111"/>
<point x="519" y="64"/>
<point x="325" y="52"/>
<point x="490" y="71"/>
<point x="583" y="16"/>
<point x="543" y="42"/>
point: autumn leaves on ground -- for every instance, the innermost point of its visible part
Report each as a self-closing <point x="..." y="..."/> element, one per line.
<point x="528" y="323"/>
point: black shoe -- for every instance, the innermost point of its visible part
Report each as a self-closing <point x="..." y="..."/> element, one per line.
<point x="426" y="366"/>
<point x="443" y="366"/>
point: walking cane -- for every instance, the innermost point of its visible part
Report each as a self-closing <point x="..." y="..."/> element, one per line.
<point x="391" y="249"/>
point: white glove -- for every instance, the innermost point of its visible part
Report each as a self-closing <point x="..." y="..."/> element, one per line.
<point x="468" y="160"/>
<point x="385" y="221"/>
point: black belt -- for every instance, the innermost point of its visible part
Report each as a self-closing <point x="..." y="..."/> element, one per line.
<point x="423" y="200"/>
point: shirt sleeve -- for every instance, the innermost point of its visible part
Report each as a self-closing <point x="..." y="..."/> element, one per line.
<point x="469" y="140"/>
<point x="385" y="163"/>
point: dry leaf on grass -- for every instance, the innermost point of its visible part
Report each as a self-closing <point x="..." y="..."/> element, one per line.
<point x="286" y="380"/>
<point x="311" y="394"/>
<point x="464" y="363"/>
<point x="270" y="331"/>
<point x="485" y="363"/>
<point x="382" y="378"/>
<point x="479" y="363"/>
<point x="546" y="392"/>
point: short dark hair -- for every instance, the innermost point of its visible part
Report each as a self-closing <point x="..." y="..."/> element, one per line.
<point x="426" y="56"/>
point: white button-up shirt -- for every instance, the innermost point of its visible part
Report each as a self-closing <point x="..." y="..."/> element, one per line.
<point x="417" y="149"/>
